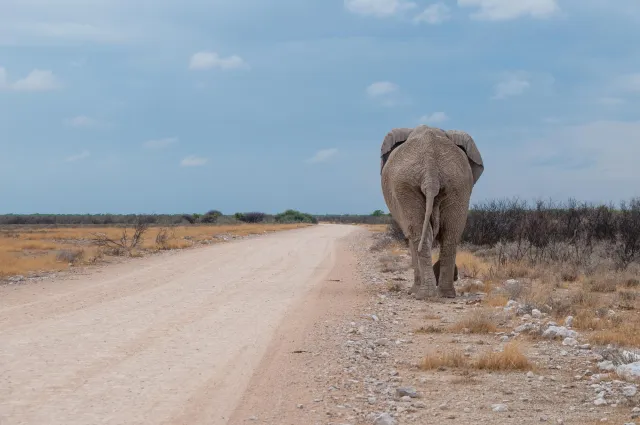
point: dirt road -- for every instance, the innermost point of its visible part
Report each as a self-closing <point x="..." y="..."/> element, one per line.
<point x="170" y="339"/>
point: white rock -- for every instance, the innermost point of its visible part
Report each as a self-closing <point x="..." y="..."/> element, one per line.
<point x="600" y="402"/>
<point x="384" y="419"/>
<point x="536" y="314"/>
<point x="499" y="407"/>
<point x="512" y="303"/>
<point x="571" y="342"/>
<point x="568" y="322"/>
<point x="629" y="371"/>
<point x="530" y="375"/>
<point x="629" y="390"/>
<point x="559" y="331"/>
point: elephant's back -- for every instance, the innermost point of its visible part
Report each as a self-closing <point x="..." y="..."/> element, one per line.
<point x="427" y="154"/>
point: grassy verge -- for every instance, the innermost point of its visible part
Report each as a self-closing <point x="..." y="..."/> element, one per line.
<point x="31" y="249"/>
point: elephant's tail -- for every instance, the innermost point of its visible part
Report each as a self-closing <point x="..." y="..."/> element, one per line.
<point x="426" y="224"/>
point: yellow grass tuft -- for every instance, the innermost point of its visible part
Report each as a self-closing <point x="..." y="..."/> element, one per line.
<point x="471" y="266"/>
<point x="476" y="322"/>
<point x="511" y="358"/>
<point x="496" y="300"/>
<point x="454" y="359"/>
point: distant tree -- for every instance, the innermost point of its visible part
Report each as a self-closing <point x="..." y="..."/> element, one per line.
<point x="378" y="213"/>
<point x="250" y="217"/>
<point x="210" y="217"/>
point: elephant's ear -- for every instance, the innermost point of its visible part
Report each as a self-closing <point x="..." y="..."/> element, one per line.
<point x="393" y="139"/>
<point x="466" y="143"/>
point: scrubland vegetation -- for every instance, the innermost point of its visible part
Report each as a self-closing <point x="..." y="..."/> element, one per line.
<point x="567" y="259"/>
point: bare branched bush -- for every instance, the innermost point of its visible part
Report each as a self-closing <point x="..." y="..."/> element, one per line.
<point x="127" y="243"/>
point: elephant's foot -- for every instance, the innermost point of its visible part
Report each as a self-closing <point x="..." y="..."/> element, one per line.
<point x="447" y="293"/>
<point x="414" y="289"/>
<point x="424" y="293"/>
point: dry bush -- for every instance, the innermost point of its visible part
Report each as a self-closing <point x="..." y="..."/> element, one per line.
<point x="627" y="299"/>
<point x="392" y="264"/>
<point x="470" y="288"/>
<point x="511" y="358"/>
<point x="632" y="283"/>
<point x="477" y="322"/>
<point x="470" y="265"/>
<point x="603" y="284"/>
<point x="570" y="275"/>
<point x="431" y="329"/>
<point x="496" y="300"/>
<point x="625" y="335"/>
<point x="453" y="359"/>
<point x="394" y="287"/>
<point x="127" y="243"/>
<point x="70" y="256"/>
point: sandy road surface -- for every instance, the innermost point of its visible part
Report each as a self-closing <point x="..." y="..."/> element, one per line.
<point x="171" y="339"/>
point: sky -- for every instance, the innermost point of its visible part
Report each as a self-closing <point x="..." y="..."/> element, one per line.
<point x="141" y="106"/>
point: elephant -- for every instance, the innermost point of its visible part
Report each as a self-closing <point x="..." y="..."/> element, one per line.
<point x="427" y="176"/>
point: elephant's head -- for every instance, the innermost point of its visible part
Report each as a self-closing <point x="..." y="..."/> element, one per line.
<point x="392" y="140"/>
<point x="466" y="143"/>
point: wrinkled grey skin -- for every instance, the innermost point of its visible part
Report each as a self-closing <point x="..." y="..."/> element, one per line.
<point x="427" y="181"/>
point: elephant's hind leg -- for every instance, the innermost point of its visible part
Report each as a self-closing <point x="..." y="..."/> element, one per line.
<point x="416" y="271"/>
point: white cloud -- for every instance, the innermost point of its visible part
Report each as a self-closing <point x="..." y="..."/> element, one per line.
<point x="4" y="80"/>
<point x="382" y="88"/>
<point x="512" y="84"/>
<point x="323" y="155"/>
<point x="611" y="101"/>
<point x="378" y="8"/>
<point x="386" y="93"/>
<point x="37" y="80"/>
<point x="193" y="161"/>
<point x="436" y="117"/>
<point x="210" y="60"/>
<point x="160" y="143"/>
<point x="629" y="83"/>
<point x="82" y="121"/>
<point x="82" y="155"/>
<point x="594" y="161"/>
<point x="434" y="14"/>
<point x="503" y="10"/>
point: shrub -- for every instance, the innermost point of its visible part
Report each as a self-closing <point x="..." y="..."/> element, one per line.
<point x="210" y="217"/>
<point x="250" y="217"/>
<point x="293" y="216"/>
<point x="70" y="256"/>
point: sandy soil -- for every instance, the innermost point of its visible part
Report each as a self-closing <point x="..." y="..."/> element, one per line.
<point x="172" y="339"/>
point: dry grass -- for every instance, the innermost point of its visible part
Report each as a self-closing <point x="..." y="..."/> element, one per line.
<point x="511" y="358"/>
<point x="496" y="300"/>
<point x="476" y="322"/>
<point x="454" y="359"/>
<point x="39" y="249"/>
<point x="604" y="284"/>
<point x="625" y="335"/>
<point x="471" y="266"/>
<point x="376" y="228"/>
<point x="429" y="330"/>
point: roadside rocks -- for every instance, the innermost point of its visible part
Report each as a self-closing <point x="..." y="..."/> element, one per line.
<point x="384" y="419"/>
<point x="629" y="371"/>
<point x="559" y="332"/>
